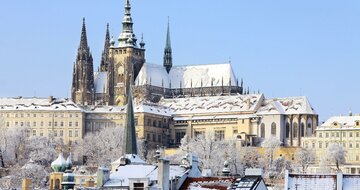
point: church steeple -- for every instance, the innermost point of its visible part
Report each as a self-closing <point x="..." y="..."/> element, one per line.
<point x="127" y="37"/>
<point x="167" y="50"/>
<point x="82" y="91"/>
<point x="83" y="39"/>
<point x="130" y="146"/>
<point x="105" y="54"/>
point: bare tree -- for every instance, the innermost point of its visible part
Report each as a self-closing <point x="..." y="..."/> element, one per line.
<point x="270" y="145"/>
<point x="336" y="154"/>
<point x="305" y="158"/>
<point x="101" y="148"/>
<point x="211" y="151"/>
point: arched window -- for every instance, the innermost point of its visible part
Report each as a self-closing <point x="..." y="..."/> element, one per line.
<point x="262" y="130"/>
<point x="287" y="132"/>
<point x="302" y="129"/>
<point x="295" y="130"/>
<point x="273" y="128"/>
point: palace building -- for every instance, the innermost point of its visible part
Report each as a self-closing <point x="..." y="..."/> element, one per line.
<point x="170" y="101"/>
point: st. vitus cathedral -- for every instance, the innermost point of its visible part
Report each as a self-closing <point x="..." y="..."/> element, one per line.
<point x="123" y="68"/>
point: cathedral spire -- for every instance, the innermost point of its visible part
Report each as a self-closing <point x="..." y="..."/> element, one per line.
<point x="83" y="39"/>
<point x="105" y="54"/>
<point x="130" y="134"/>
<point x="168" y="50"/>
<point x="127" y="37"/>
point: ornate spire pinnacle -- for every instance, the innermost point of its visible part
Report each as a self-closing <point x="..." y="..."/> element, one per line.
<point x="130" y="134"/>
<point x="168" y="50"/>
<point x="105" y="54"/>
<point x="83" y="39"/>
<point x="127" y="37"/>
<point x="142" y="43"/>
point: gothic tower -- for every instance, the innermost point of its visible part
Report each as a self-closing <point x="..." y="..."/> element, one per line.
<point x="168" y="51"/>
<point x="126" y="61"/>
<point x="104" y="64"/>
<point x="82" y="91"/>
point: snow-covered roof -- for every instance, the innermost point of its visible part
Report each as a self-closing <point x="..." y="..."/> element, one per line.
<point x="105" y="109"/>
<point x="37" y="104"/>
<point x="122" y="175"/>
<point x="152" y="108"/>
<point x="187" y="76"/>
<point x="100" y="82"/>
<point x="213" y="104"/>
<point x="289" y="105"/>
<point x="345" y="121"/>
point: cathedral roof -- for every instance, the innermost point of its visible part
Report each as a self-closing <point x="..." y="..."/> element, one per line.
<point x="214" y="104"/>
<point x="187" y="76"/>
<point x="289" y="105"/>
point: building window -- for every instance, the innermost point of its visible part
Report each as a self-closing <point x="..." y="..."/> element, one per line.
<point x="219" y="135"/>
<point x="148" y="137"/>
<point x="273" y="129"/>
<point x="76" y="124"/>
<point x="337" y="134"/>
<point x="61" y="133"/>
<point x="327" y="135"/>
<point x="55" y="123"/>
<point x="34" y="132"/>
<point x="61" y="124"/>
<point x="357" y="145"/>
<point x="34" y="115"/>
<point x="154" y="137"/>
<point x="149" y="122"/>
<point x="7" y="124"/>
<point x="70" y="124"/>
<point x="313" y="145"/>
<point x="154" y="123"/>
<point x="320" y="135"/>
<point x="41" y="133"/>
<point x="199" y="133"/>
<point x="76" y="133"/>
<point x="34" y="124"/>
<point x="55" y="133"/>
<point x="49" y="123"/>
<point x="344" y="134"/>
<point x="287" y="132"/>
<point x="178" y="136"/>
<point x="357" y="123"/>
<point x="136" y="121"/>
<point x="350" y="134"/>
<point x="302" y="129"/>
<point x="295" y="127"/>
<point x="357" y="134"/>
<point x="350" y="145"/>
<point x="262" y="130"/>
<point x="320" y="144"/>
<point x="159" y="138"/>
<point x="70" y="133"/>
<point x="42" y="124"/>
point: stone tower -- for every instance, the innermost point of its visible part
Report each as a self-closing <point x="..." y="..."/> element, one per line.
<point x="168" y="51"/>
<point x="82" y="91"/>
<point x="104" y="64"/>
<point x="126" y="61"/>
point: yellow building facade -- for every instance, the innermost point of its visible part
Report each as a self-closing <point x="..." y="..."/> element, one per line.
<point x="343" y="130"/>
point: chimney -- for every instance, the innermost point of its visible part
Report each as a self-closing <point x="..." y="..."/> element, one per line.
<point x="103" y="175"/>
<point x="163" y="174"/>
<point x="51" y="98"/>
<point x="248" y="105"/>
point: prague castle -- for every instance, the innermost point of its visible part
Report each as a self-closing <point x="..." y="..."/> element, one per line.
<point x="171" y="101"/>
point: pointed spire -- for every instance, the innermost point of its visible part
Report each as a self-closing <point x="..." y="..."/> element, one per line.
<point x="142" y="43"/>
<point x="83" y="39"/>
<point x="127" y="37"/>
<point x="130" y="146"/>
<point x="168" y="50"/>
<point x="105" y="59"/>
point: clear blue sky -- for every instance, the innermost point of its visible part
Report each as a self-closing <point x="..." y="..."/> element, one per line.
<point x="284" y="48"/>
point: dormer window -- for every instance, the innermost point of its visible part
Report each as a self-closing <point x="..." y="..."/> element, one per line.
<point x="357" y="123"/>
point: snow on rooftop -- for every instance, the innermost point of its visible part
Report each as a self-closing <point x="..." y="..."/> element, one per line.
<point x="289" y="105"/>
<point x="100" y="82"/>
<point x="187" y="76"/>
<point x="152" y="108"/>
<point x="37" y="104"/>
<point x="345" y="121"/>
<point x="213" y="104"/>
<point x="122" y="175"/>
